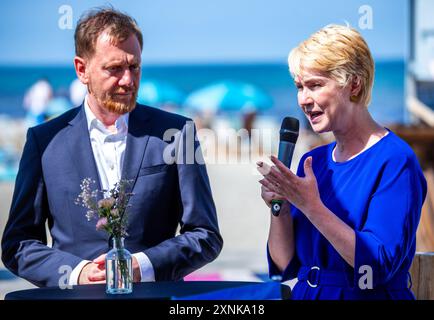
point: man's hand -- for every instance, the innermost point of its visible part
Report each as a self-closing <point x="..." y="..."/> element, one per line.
<point x="137" y="277"/>
<point x="93" y="272"/>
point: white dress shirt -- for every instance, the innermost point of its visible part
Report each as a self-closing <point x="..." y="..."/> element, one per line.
<point x="109" y="151"/>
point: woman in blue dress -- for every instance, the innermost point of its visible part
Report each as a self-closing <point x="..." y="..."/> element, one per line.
<point x="347" y="229"/>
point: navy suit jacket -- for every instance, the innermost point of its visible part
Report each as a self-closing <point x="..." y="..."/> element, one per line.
<point x="58" y="155"/>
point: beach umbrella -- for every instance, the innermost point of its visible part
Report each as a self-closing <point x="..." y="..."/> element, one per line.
<point x="8" y="173"/>
<point x="57" y="106"/>
<point x="8" y="164"/>
<point x="159" y="93"/>
<point x="229" y="95"/>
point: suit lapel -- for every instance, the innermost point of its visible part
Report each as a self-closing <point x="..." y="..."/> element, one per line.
<point x="81" y="149"/>
<point x="139" y="129"/>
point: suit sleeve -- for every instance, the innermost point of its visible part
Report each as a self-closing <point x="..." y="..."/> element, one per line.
<point x="24" y="242"/>
<point x="199" y="241"/>
<point x="387" y="237"/>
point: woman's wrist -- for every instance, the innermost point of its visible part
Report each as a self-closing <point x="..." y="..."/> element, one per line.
<point x="313" y="210"/>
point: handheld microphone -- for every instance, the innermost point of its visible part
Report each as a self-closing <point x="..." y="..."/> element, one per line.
<point x="288" y="137"/>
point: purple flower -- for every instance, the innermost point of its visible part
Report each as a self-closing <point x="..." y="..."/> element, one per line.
<point x="102" y="222"/>
<point x="106" y="203"/>
<point x="114" y="213"/>
<point x="110" y="211"/>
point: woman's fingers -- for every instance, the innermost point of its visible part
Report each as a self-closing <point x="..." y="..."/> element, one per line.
<point x="279" y="180"/>
<point x="273" y="180"/>
<point x="270" y="186"/>
<point x="276" y="180"/>
<point x="278" y="174"/>
<point x="263" y="168"/>
<point x="270" y="173"/>
<point x="268" y="195"/>
<point x="283" y="169"/>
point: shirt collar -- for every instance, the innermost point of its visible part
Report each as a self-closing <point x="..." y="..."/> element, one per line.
<point x="121" y="123"/>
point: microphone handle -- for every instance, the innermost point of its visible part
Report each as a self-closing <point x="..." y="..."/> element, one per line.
<point x="286" y="150"/>
<point x="276" y="205"/>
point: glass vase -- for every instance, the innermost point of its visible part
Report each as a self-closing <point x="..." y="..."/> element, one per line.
<point x="119" y="272"/>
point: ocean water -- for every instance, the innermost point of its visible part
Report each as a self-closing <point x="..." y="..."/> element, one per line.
<point x="387" y="104"/>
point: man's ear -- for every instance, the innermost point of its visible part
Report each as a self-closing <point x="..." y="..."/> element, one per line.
<point x="356" y="86"/>
<point x="80" y="69"/>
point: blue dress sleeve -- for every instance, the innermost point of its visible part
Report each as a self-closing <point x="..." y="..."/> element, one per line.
<point x="388" y="235"/>
<point x="290" y="271"/>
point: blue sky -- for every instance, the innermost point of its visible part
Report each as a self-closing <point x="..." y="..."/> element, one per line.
<point x="202" y="31"/>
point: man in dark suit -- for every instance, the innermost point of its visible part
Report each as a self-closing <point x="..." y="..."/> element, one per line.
<point x="109" y="138"/>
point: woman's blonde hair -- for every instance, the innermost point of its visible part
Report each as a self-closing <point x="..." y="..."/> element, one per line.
<point x="341" y="53"/>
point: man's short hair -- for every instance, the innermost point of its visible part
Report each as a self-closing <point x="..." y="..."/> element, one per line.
<point x="91" y="24"/>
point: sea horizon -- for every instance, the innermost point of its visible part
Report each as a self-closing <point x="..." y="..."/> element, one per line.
<point x="273" y="77"/>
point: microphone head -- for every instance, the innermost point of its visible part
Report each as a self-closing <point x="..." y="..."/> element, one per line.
<point x="289" y="129"/>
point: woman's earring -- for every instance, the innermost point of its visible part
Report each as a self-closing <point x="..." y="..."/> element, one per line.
<point x="353" y="98"/>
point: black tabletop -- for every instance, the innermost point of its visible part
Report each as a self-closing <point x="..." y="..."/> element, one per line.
<point x="209" y="290"/>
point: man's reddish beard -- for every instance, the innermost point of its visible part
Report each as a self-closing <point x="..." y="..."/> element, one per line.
<point x="109" y="102"/>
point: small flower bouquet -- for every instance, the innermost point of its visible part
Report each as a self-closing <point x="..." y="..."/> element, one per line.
<point x="111" y="214"/>
<point x="111" y="210"/>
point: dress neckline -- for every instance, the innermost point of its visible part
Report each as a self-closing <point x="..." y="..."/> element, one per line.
<point x="357" y="156"/>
